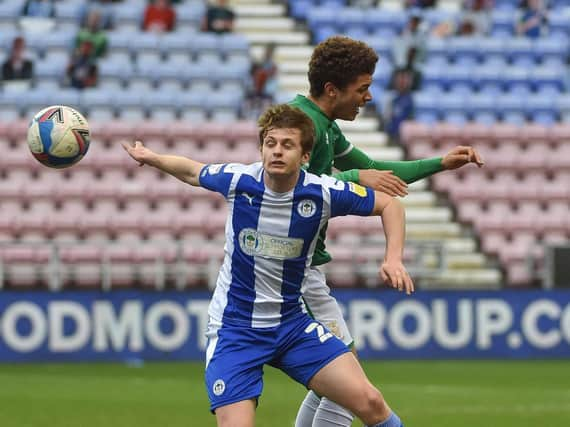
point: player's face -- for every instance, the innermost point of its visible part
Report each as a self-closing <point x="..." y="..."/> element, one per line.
<point x="282" y="153"/>
<point x="351" y="99"/>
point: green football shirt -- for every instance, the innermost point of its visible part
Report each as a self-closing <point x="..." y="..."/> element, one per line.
<point x="331" y="149"/>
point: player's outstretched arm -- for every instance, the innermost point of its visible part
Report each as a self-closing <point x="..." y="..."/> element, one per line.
<point x="183" y="168"/>
<point x="392" y="269"/>
<point x="407" y="171"/>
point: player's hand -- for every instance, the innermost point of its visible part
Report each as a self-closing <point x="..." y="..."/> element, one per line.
<point x="384" y="181"/>
<point x="460" y="156"/>
<point x="395" y="275"/>
<point x="138" y="152"/>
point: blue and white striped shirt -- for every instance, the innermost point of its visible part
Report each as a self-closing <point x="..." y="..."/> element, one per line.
<point x="270" y="240"/>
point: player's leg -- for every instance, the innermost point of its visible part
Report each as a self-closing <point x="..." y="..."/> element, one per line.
<point x="234" y="373"/>
<point x="324" y="308"/>
<point x="240" y="414"/>
<point x="343" y="381"/>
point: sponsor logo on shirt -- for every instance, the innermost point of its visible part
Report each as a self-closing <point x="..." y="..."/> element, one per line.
<point x="254" y="243"/>
<point x="359" y="190"/>
<point x="306" y="208"/>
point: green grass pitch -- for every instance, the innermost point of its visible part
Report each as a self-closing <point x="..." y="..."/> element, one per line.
<point x="424" y="393"/>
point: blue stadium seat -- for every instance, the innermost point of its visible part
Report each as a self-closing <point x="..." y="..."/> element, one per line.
<point x="455" y="117"/>
<point x="121" y="40"/>
<point x="512" y="76"/>
<point x="190" y="13"/>
<point x="322" y="17"/>
<point x="203" y="42"/>
<point x="233" y="43"/>
<point x="144" y="41"/>
<point x="175" y="41"/>
<point x="485" y="118"/>
<point x="426" y="103"/>
<point x="385" y="18"/>
<point x="460" y="74"/>
<point x="351" y="17"/>
<point x="464" y="49"/>
<point x="300" y="8"/>
<point x="322" y="33"/>
<point x="503" y="22"/>
<point x="191" y="100"/>
<point x="542" y="77"/>
<point x="481" y="103"/>
<point x="128" y="15"/>
<point x="434" y="75"/>
<point x="357" y="32"/>
<point x="95" y="97"/>
<point x="453" y="102"/>
<point x="382" y="73"/>
<point x="11" y="10"/>
<point x="490" y="47"/>
<point x="511" y="103"/>
<point x="514" y="118"/>
<point x="69" y="10"/>
<point x="542" y="105"/>
<point x="519" y="47"/>
<point x="381" y="45"/>
<point x="236" y="70"/>
<point x="438" y="46"/>
<point x="551" y="47"/>
<point x="426" y="118"/>
<point x="559" y="22"/>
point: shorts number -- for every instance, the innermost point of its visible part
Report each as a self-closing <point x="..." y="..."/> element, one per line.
<point x="321" y="332"/>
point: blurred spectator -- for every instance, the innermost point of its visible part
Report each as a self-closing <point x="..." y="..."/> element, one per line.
<point x="476" y="18"/>
<point x="219" y="18"/>
<point x="263" y="84"/>
<point x="401" y="105"/>
<point x="413" y="35"/>
<point x="82" y="69"/>
<point x="39" y="9"/>
<point x="17" y="66"/>
<point x="411" y="68"/>
<point x="93" y="33"/>
<point x="264" y="74"/>
<point x="159" y="16"/>
<point x="421" y="3"/>
<point x="533" y="20"/>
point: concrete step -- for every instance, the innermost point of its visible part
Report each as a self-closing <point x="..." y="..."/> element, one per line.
<point x="264" y="24"/>
<point x="276" y="37"/>
<point x="265" y="10"/>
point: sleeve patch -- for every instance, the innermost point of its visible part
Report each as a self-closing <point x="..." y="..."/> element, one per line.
<point x="359" y="190"/>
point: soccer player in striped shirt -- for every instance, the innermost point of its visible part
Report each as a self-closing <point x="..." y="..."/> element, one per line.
<point x="256" y="315"/>
<point x="340" y="75"/>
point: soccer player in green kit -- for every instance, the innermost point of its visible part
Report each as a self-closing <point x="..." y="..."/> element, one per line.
<point x="340" y="75"/>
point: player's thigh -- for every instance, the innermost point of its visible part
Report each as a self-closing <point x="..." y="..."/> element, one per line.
<point x="344" y="382"/>
<point x="306" y="346"/>
<point x="240" y="414"/>
<point x="323" y="307"/>
<point x="234" y="371"/>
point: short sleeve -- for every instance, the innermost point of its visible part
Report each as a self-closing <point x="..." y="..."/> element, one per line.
<point x="348" y="198"/>
<point x="217" y="177"/>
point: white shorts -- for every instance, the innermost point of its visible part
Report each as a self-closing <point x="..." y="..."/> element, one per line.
<point x="323" y="306"/>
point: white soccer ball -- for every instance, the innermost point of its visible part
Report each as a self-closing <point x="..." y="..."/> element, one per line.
<point x="58" y="136"/>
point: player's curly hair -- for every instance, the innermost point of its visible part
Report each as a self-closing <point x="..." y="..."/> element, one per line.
<point x="284" y="116"/>
<point x="339" y="60"/>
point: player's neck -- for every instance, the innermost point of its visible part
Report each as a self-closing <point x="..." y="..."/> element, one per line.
<point x="325" y="106"/>
<point x="279" y="183"/>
